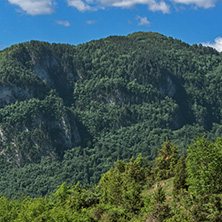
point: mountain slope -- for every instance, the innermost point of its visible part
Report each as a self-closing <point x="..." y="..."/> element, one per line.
<point x="68" y="112"/>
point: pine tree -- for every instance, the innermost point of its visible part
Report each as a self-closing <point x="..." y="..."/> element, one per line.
<point x="180" y="175"/>
<point x="166" y="160"/>
<point x="159" y="209"/>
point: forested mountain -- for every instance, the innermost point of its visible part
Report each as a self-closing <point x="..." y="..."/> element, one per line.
<point x="69" y="112"/>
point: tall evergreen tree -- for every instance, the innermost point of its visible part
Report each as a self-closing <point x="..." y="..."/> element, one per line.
<point x="159" y="209"/>
<point x="166" y="160"/>
<point x="179" y="181"/>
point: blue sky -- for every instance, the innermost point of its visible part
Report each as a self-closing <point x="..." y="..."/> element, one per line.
<point x="79" y="21"/>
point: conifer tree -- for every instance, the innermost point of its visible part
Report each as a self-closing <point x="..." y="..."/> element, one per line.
<point x="159" y="209"/>
<point x="166" y="160"/>
<point x="180" y="175"/>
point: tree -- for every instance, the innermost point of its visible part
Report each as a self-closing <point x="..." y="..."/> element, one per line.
<point x="166" y="160"/>
<point x="122" y="185"/>
<point x="179" y="181"/>
<point x="204" y="167"/>
<point x="159" y="209"/>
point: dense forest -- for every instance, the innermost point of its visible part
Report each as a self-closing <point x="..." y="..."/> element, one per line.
<point x="184" y="189"/>
<point x="68" y="113"/>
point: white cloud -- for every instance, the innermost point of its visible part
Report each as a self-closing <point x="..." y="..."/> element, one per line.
<point x="199" y="3"/>
<point x="34" y="7"/>
<point x="143" y="21"/>
<point x="80" y="5"/>
<point x="217" y="44"/>
<point x="39" y="7"/>
<point x="86" y="5"/>
<point x="162" y="6"/>
<point x="64" y="23"/>
<point x="153" y="5"/>
<point x="90" y="22"/>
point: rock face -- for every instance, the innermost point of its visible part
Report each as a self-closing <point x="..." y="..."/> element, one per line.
<point x="11" y="93"/>
<point x="42" y="134"/>
<point x="43" y="67"/>
<point x="169" y="88"/>
<point x="34" y="120"/>
<point x="42" y="73"/>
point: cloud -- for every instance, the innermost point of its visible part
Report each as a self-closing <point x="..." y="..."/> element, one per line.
<point x="162" y="6"/>
<point x="93" y="5"/>
<point x="40" y="7"/>
<point x="199" y="3"/>
<point x="216" y="45"/>
<point x="90" y="22"/>
<point x="64" y="23"/>
<point x="143" y="21"/>
<point x="80" y="5"/>
<point x="153" y="5"/>
<point x="35" y="7"/>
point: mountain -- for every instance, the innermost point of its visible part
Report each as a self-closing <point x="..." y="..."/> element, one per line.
<point x="68" y="112"/>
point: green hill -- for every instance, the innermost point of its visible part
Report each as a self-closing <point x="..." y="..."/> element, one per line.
<point x="68" y="112"/>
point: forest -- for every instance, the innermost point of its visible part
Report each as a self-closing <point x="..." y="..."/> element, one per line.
<point x="70" y="114"/>
<point x="186" y="188"/>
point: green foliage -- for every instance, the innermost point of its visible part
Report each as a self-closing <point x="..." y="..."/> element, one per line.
<point x="206" y="208"/>
<point x="179" y="181"/>
<point x="204" y="167"/>
<point x="119" y="196"/>
<point x="166" y="160"/>
<point x="159" y="209"/>
<point x="180" y="212"/>
<point x="123" y="184"/>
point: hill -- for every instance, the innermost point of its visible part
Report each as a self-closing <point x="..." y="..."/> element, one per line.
<point x="68" y="112"/>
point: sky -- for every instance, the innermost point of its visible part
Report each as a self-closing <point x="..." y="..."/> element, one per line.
<point x="80" y="21"/>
